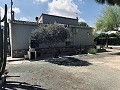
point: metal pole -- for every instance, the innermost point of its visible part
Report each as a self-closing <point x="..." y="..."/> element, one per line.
<point x="11" y="9"/>
<point x="4" y="43"/>
<point x="0" y="38"/>
<point x="1" y="43"/>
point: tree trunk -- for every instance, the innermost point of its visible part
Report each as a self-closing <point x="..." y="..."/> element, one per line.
<point x="107" y="38"/>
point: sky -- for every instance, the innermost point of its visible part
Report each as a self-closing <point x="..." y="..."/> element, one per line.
<point x="26" y="10"/>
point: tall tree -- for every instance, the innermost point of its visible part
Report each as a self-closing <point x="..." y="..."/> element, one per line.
<point x="110" y="2"/>
<point x="109" y="19"/>
<point x="50" y="35"/>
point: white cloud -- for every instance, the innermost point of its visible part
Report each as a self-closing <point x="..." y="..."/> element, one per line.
<point x="81" y="20"/>
<point x="15" y="9"/>
<point x="26" y="18"/>
<point x="81" y="1"/>
<point x="23" y="19"/>
<point x="40" y="1"/>
<point x="65" y="8"/>
<point x="1" y="12"/>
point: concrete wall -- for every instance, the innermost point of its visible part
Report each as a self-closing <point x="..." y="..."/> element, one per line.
<point x="82" y="37"/>
<point x="19" y="36"/>
<point x="51" y="19"/>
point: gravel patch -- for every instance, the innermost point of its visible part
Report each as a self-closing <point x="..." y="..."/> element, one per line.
<point x="102" y="73"/>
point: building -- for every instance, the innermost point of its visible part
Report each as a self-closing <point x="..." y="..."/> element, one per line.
<point x="20" y="32"/>
<point x="51" y="19"/>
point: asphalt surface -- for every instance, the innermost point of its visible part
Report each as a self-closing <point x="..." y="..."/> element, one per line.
<point x="78" y="72"/>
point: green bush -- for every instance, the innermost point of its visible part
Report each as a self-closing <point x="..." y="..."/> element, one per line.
<point x="92" y="51"/>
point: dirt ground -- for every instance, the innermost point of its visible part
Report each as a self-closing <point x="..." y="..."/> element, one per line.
<point x="78" y="72"/>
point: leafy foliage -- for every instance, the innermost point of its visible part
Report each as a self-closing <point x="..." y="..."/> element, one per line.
<point x="112" y="40"/>
<point x="110" y="2"/>
<point x="50" y="34"/>
<point x="92" y="51"/>
<point x="83" y="24"/>
<point x="109" y="19"/>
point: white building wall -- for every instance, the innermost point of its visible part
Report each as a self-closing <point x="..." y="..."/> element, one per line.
<point x="82" y="37"/>
<point x="19" y="36"/>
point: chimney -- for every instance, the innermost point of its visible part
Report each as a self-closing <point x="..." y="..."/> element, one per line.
<point x="36" y="19"/>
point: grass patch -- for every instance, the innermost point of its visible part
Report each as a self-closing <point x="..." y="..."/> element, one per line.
<point x="92" y="51"/>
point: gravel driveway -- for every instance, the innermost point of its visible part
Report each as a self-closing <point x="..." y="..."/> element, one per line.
<point x="78" y="72"/>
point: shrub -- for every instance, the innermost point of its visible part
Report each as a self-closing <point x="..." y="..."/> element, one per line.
<point x="92" y="51"/>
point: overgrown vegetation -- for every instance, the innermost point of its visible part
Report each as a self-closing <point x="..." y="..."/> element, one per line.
<point x="110" y="2"/>
<point x="92" y="51"/>
<point x="109" y="20"/>
<point x="113" y="39"/>
<point x="50" y="35"/>
<point x="83" y="24"/>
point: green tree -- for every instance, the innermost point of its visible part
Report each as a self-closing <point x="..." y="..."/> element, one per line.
<point x="109" y="19"/>
<point x="110" y="2"/>
<point x="83" y="24"/>
<point x="50" y="35"/>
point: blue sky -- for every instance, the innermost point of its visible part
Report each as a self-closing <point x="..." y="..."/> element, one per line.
<point x="86" y="10"/>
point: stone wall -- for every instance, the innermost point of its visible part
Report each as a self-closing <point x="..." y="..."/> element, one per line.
<point x="19" y="53"/>
<point x="46" y="51"/>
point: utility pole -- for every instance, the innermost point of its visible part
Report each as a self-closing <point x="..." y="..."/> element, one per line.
<point x="0" y="18"/>
<point x="11" y="9"/>
<point x="0" y="38"/>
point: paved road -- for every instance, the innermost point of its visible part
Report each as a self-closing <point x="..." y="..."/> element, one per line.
<point x="80" y="72"/>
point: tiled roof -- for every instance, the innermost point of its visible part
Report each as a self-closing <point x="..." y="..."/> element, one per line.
<point x="24" y="22"/>
<point x="35" y="23"/>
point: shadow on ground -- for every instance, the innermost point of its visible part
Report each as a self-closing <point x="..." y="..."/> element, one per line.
<point x="102" y="50"/>
<point x="118" y="53"/>
<point x="15" y="60"/>
<point x="68" y="61"/>
<point x="13" y="85"/>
